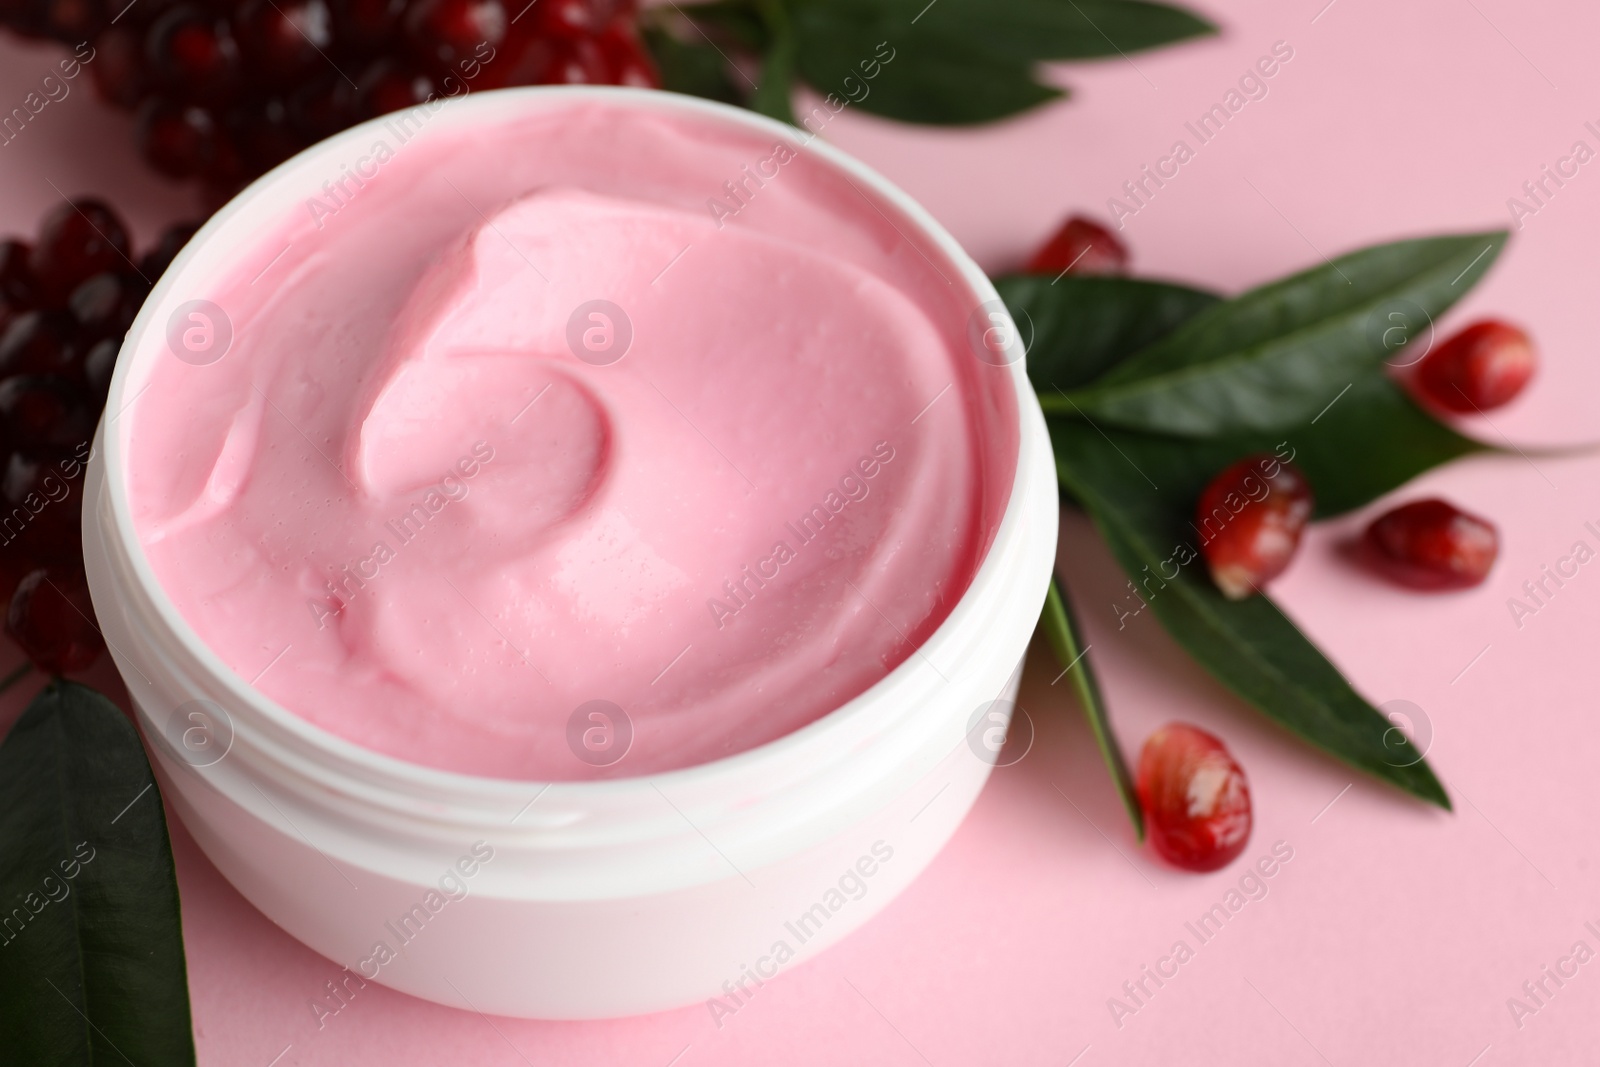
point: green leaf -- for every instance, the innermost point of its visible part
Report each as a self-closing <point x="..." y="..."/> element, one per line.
<point x="91" y="947"/>
<point x="857" y="53"/>
<point x="694" y="69"/>
<point x="1079" y="326"/>
<point x="1053" y="29"/>
<point x="773" y="95"/>
<point x="1273" y="357"/>
<point x="1061" y="629"/>
<point x="1140" y="491"/>
<point x="1373" y="439"/>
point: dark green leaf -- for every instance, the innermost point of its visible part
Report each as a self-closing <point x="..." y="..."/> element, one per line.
<point x="91" y="965"/>
<point x="1272" y="358"/>
<point x="1052" y="29"/>
<point x="773" y="94"/>
<point x="1140" y="492"/>
<point x="856" y="54"/>
<point x="1062" y="630"/>
<point x="1372" y="440"/>
<point x="1079" y="326"/>
<point x="732" y="22"/>
<point x="688" y="67"/>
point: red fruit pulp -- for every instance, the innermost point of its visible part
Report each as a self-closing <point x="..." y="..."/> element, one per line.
<point x="1081" y="246"/>
<point x="1250" y="519"/>
<point x="1195" y="798"/>
<point x="1483" y="367"/>
<point x="1432" y="544"/>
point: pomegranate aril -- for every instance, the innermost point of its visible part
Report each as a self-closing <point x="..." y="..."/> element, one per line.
<point x="179" y="141"/>
<point x="1432" y="544"/>
<point x="43" y="507"/>
<point x="323" y="107"/>
<point x="119" y="72"/>
<point x="1250" y="519"/>
<point x="367" y="25"/>
<point x="445" y="32"/>
<point x="390" y="85"/>
<point x="78" y="240"/>
<point x="192" y="52"/>
<point x="39" y="342"/>
<point x="50" y="618"/>
<point x="284" y="40"/>
<point x="578" y="62"/>
<point x="156" y="261"/>
<point x="17" y="284"/>
<point x="1195" y="798"/>
<point x="98" y="364"/>
<point x="1483" y="367"/>
<point x="104" y="306"/>
<point x="1081" y="246"/>
<point x="43" y="411"/>
<point x="568" y="18"/>
<point x="73" y="20"/>
<point x="627" y="57"/>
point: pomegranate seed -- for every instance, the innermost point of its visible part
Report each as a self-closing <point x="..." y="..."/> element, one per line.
<point x="1081" y="246"/>
<point x="578" y="62"/>
<point x="98" y="364"/>
<point x="156" y="261"/>
<point x="1432" y="544"/>
<point x="568" y="18"/>
<point x="78" y="240"/>
<point x="118" y="68"/>
<point x="390" y="85"/>
<point x="193" y="53"/>
<point x="324" y="106"/>
<point x="103" y="306"/>
<point x="50" y="617"/>
<point x="367" y="25"/>
<point x="625" y="54"/>
<point x="44" y="411"/>
<point x="73" y="20"/>
<point x="1195" y="798"/>
<point x="1481" y="368"/>
<point x="1250" y="520"/>
<point x="39" y="342"/>
<point x="17" y="284"/>
<point x="445" y="32"/>
<point x="178" y="141"/>
<point x="283" y="40"/>
<point x="35" y="486"/>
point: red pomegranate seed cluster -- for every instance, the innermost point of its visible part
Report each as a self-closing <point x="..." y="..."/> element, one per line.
<point x="65" y="302"/>
<point x="226" y="89"/>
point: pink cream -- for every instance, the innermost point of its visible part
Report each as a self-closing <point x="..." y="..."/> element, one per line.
<point x="407" y="509"/>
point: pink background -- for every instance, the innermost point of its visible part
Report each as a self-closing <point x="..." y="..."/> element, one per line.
<point x="1397" y="932"/>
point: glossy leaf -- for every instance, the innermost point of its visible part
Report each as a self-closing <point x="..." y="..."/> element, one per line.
<point x="1079" y="326"/>
<point x="1140" y="492"/>
<point x="856" y="55"/>
<point x="1273" y="357"/>
<point x="1061" y="629"/>
<point x="91" y="966"/>
<point x="776" y="87"/>
<point x="692" y="67"/>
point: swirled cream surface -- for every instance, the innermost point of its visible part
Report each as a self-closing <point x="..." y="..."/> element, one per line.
<point x="590" y="440"/>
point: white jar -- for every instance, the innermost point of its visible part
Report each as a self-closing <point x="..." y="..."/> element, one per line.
<point x="582" y="899"/>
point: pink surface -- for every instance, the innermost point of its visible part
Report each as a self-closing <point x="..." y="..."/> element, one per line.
<point x="1396" y="933"/>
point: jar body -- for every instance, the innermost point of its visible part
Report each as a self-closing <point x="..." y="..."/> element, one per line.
<point x="585" y="899"/>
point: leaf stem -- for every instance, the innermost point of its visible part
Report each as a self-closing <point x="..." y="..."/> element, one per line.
<point x="1062" y="631"/>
